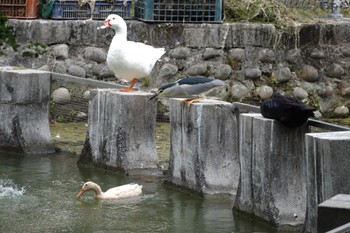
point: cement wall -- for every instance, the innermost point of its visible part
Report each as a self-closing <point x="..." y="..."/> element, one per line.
<point x="272" y="180"/>
<point x="24" y="111"/>
<point x="327" y="159"/>
<point x="121" y="131"/>
<point x="203" y="147"/>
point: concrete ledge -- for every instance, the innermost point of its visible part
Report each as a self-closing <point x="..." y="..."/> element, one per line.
<point x="121" y="130"/>
<point x="334" y="213"/>
<point x="204" y="149"/>
<point x="272" y="183"/>
<point x="328" y="162"/>
<point x="24" y="111"/>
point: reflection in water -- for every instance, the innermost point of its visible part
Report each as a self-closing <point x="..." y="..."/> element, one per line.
<point x="49" y="185"/>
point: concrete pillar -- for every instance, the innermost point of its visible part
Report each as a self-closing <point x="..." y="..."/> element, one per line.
<point x="334" y="213"/>
<point x="24" y="111"/>
<point x="328" y="162"/>
<point x="121" y="130"/>
<point x="203" y="148"/>
<point x="272" y="180"/>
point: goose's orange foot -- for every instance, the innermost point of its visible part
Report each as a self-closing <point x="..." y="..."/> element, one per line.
<point x="130" y="88"/>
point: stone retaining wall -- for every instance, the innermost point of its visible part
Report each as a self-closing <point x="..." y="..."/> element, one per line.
<point x="309" y="61"/>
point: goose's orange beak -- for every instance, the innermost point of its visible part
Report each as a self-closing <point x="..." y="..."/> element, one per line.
<point x="81" y="192"/>
<point x="107" y="23"/>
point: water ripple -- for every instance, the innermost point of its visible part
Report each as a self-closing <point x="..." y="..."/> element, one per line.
<point x="9" y="189"/>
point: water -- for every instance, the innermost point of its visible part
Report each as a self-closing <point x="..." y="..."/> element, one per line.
<point x="37" y="194"/>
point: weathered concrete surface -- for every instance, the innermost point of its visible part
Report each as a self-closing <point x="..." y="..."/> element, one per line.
<point x="204" y="149"/>
<point x="24" y="111"/>
<point x="334" y="213"/>
<point x="272" y="183"/>
<point x="328" y="162"/>
<point x="121" y="130"/>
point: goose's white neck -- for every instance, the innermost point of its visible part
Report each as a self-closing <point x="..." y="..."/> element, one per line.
<point x="97" y="189"/>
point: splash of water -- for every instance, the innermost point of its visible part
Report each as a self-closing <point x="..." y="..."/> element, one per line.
<point x="9" y="189"/>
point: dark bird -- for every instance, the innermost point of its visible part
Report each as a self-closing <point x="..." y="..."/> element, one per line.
<point x="290" y="111"/>
<point x="193" y="88"/>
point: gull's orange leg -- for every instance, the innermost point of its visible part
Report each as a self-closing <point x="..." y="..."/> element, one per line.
<point x="131" y="87"/>
<point x="189" y="101"/>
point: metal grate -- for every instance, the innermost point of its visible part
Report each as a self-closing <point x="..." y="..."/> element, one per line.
<point x="179" y="10"/>
<point x="72" y="10"/>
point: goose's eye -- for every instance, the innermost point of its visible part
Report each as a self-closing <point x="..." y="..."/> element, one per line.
<point x="86" y="185"/>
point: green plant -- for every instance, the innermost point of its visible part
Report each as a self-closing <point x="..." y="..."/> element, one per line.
<point x="7" y="35"/>
<point x="146" y="81"/>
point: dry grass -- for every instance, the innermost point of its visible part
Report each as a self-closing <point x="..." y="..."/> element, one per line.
<point x="272" y="11"/>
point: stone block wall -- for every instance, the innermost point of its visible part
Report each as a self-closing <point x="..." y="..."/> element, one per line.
<point x="309" y="61"/>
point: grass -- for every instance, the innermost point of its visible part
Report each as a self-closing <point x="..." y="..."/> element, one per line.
<point x="274" y="12"/>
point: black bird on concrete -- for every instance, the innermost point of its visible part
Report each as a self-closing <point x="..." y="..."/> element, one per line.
<point x="290" y="111"/>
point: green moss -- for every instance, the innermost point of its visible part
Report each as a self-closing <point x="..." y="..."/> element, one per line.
<point x="234" y="63"/>
<point x="7" y="35"/>
<point x="146" y="81"/>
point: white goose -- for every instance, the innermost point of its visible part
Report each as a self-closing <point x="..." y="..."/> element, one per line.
<point x="127" y="190"/>
<point x="129" y="60"/>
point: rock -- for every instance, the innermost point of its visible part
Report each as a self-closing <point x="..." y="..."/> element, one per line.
<point x="266" y="68"/>
<point x="300" y="93"/>
<point x="335" y="71"/>
<point x="61" y="95"/>
<point x="325" y="92"/>
<point x="76" y="70"/>
<point x="317" y="54"/>
<point x="345" y="51"/>
<point x="81" y="115"/>
<point x="237" y="54"/>
<point x="267" y="56"/>
<point x="346" y="92"/>
<point x="106" y="72"/>
<point x="180" y="53"/>
<point x="341" y="111"/>
<point x="210" y="53"/>
<point x="293" y="56"/>
<point x="318" y="114"/>
<point x="95" y="54"/>
<point x="168" y="70"/>
<point x="282" y="75"/>
<point x="264" y="92"/>
<point x="223" y="72"/>
<point x="239" y="91"/>
<point x="199" y="69"/>
<point x="86" y="95"/>
<point x="60" y="67"/>
<point x="309" y="73"/>
<point x="60" y="51"/>
<point x="252" y="73"/>
<point x="44" y="68"/>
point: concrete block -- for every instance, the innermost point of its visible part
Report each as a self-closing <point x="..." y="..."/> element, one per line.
<point x="24" y="111"/>
<point x="121" y="130"/>
<point x="272" y="180"/>
<point x="334" y="213"/>
<point x="328" y="161"/>
<point x="204" y="147"/>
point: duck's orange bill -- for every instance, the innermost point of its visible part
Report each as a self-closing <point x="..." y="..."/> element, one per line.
<point x="81" y="192"/>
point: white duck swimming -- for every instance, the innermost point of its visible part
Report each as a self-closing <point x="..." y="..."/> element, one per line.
<point x="129" y="60"/>
<point x="127" y="190"/>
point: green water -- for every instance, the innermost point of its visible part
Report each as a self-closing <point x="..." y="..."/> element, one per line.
<point x="37" y="194"/>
